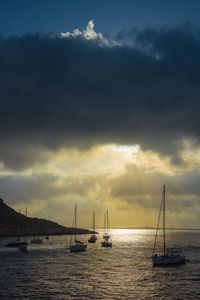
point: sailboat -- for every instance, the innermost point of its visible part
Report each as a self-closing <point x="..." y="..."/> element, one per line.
<point x="16" y="243"/>
<point x="75" y="245"/>
<point x="107" y="234"/>
<point x="20" y="242"/>
<point x="93" y="237"/>
<point x="168" y="258"/>
<point x="24" y="246"/>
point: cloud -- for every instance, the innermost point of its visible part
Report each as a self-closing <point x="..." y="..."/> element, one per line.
<point x="143" y="188"/>
<point x="48" y="195"/>
<point x="137" y="193"/>
<point x="89" y="34"/>
<point x="47" y="187"/>
<point x="72" y="91"/>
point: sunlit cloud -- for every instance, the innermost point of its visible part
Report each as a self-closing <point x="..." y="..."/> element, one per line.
<point x="101" y="125"/>
<point x="89" y="34"/>
<point x="121" y="178"/>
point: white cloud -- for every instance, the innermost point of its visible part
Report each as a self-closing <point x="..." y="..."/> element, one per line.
<point x="89" y="34"/>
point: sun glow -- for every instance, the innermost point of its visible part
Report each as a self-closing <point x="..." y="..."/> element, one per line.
<point x="125" y="150"/>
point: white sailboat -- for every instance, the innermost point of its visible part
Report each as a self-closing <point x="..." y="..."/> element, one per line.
<point x="107" y="234"/>
<point x="93" y="237"/>
<point x="75" y="245"/>
<point x="168" y="258"/>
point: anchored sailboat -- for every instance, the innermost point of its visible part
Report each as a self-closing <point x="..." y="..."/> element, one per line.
<point x="93" y="237"/>
<point x="75" y="245"/>
<point x="168" y="258"/>
<point x="20" y="242"/>
<point x="16" y="243"/>
<point x="107" y="234"/>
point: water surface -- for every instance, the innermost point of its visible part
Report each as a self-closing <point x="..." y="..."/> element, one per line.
<point x="50" y="271"/>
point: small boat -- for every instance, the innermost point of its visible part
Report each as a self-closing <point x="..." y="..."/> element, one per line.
<point x="17" y="243"/>
<point x="106" y="243"/>
<point x="107" y="234"/>
<point x="93" y="237"/>
<point x="75" y="245"/>
<point x="168" y="258"/>
<point x="37" y="241"/>
<point x="78" y="246"/>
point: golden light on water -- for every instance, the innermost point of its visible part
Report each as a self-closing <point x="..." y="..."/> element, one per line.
<point x="129" y="235"/>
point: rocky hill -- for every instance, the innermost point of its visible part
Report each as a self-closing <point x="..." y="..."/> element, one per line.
<point x="13" y="223"/>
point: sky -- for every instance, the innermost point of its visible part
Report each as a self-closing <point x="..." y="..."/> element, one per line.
<point x="100" y="107"/>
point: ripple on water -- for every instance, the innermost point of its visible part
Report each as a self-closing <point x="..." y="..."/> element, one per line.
<point x="49" y="271"/>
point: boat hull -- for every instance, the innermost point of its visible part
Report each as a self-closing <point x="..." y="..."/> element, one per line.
<point x="168" y="260"/>
<point x="92" y="239"/>
<point x="106" y="236"/>
<point x="77" y="248"/>
<point x="36" y="241"/>
<point x="106" y="244"/>
<point x="16" y="244"/>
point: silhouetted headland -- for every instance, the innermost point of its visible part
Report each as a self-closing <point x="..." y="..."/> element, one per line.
<point x="13" y="223"/>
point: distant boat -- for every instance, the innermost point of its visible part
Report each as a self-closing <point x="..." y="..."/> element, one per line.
<point x="24" y="247"/>
<point x="107" y="234"/>
<point x="75" y="245"/>
<point x="168" y="258"/>
<point x="37" y="241"/>
<point x="16" y="243"/>
<point x="93" y="237"/>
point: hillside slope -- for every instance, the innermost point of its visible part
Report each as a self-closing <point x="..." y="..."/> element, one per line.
<point x="13" y="223"/>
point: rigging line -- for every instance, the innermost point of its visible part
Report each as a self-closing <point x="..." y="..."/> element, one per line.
<point x="108" y="225"/>
<point x="157" y="226"/>
<point x="107" y="221"/>
<point x="164" y="245"/>
<point x="104" y="225"/>
<point x="93" y="221"/>
<point x="73" y="231"/>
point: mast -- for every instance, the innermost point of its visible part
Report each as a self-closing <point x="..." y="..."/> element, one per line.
<point x="107" y="222"/>
<point x="93" y="221"/>
<point x="73" y="234"/>
<point x="75" y="220"/>
<point x="104" y="221"/>
<point x="164" y="219"/>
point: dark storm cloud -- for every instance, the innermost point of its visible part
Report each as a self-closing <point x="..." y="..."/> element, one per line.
<point x="71" y="92"/>
<point x="21" y="189"/>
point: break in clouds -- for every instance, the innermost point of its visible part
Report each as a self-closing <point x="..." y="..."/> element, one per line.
<point x="74" y="91"/>
<point x="134" y="190"/>
<point x="80" y="89"/>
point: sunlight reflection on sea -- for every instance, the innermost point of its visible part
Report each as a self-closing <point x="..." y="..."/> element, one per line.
<point x="50" y="271"/>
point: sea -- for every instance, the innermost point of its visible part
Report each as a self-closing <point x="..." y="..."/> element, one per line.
<point x="50" y="271"/>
